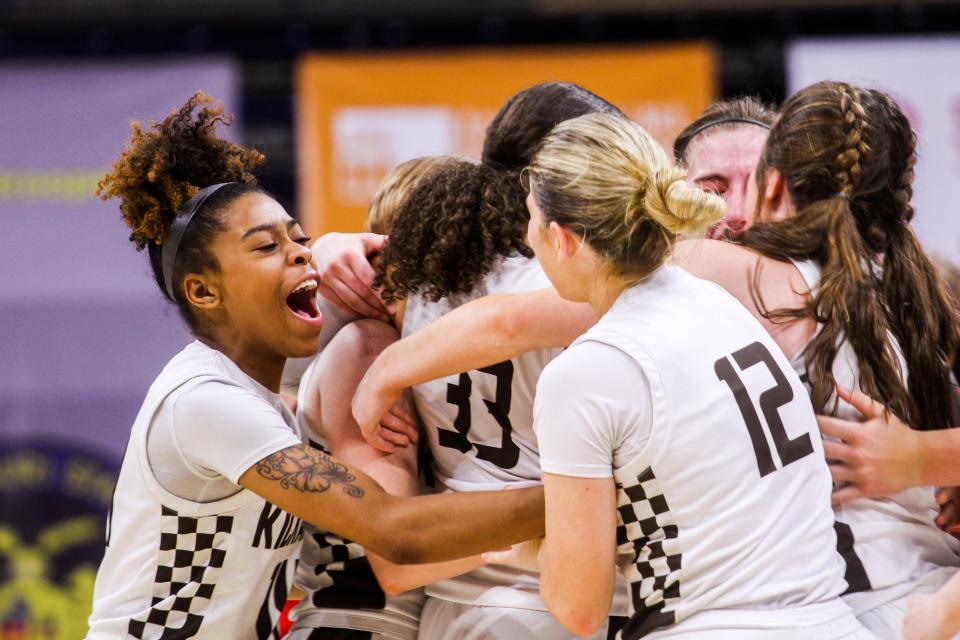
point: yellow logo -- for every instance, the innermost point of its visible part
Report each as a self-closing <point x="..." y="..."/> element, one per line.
<point x="32" y="606"/>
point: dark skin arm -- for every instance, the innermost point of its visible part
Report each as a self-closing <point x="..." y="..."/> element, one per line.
<point x="407" y="530"/>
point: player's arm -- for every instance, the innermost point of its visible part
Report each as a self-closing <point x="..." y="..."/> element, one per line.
<point x="578" y="553"/>
<point x="342" y="499"/>
<point x="327" y="408"/>
<point x="478" y="334"/>
<point x="484" y="332"/>
<point x="934" y="616"/>
<point x="577" y="434"/>
<point x="779" y="285"/>
<point x="334" y="319"/>
<point x="576" y="557"/>
<point x="396" y="473"/>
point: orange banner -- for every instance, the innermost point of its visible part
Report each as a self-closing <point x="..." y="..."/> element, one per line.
<point x="358" y="116"/>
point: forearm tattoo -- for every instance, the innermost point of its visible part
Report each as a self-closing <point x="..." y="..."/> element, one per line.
<point x="306" y="469"/>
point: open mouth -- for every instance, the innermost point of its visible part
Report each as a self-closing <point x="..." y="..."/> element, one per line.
<point x="303" y="300"/>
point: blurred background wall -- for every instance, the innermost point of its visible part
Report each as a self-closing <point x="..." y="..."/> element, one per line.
<point x="335" y="94"/>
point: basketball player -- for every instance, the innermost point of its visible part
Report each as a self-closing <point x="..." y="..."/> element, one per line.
<point x="207" y="511"/>
<point x="348" y="593"/>
<point x="719" y="151"/>
<point x="460" y="235"/>
<point x="685" y="485"/>
<point x="833" y="193"/>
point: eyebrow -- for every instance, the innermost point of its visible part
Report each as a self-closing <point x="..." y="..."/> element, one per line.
<point x="267" y="226"/>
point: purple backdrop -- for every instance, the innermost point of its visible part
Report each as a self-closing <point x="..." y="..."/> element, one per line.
<point x="83" y="328"/>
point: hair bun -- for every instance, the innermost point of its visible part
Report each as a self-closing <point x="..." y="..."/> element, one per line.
<point x="168" y="162"/>
<point x="678" y="206"/>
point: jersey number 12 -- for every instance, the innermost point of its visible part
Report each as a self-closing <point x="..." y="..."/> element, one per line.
<point x="770" y="401"/>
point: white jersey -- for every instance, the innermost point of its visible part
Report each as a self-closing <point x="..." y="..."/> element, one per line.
<point x="887" y="543"/>
<point x="723" y="510"/>
<point x="341" y="590"/>
<point x="175" y="568"/>
<point x="479" y="426"/>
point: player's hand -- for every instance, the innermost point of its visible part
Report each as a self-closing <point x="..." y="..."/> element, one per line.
<point x="379" y="411"/>
<point x="949" y="518"/>
<point x="875" y="458"/>
<point x="926" y="619"/>
<point x="346" y="277"/>
<point x="524" y="554"/>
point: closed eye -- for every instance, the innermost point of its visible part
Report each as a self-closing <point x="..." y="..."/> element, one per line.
<point x="304" y="240"/>
<point x="713" y="184"/>
<point x="267" y="248"/>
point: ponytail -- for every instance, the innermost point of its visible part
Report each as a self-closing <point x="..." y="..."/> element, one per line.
<point x="925" y="324"/>
<point x="458" y="220"/>
<point x="846" y="302"/>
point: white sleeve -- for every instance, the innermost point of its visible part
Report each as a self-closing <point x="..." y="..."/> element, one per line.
<point x="224" y="429"/>
<point x="591" y="412"/>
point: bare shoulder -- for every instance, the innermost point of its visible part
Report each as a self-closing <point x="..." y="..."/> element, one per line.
<point x="735" y="268"/>
<point x="713" y="256"/>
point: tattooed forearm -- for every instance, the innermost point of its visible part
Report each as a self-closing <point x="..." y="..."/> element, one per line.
<point x="306" y="469"/>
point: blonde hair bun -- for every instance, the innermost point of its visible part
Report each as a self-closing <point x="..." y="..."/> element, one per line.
<point x="678" y="206"/>
<point x="606" y="177"/>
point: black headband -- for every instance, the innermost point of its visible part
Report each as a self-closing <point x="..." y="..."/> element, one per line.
<point x="171" y="244"/>
<point x="737" y="120"/>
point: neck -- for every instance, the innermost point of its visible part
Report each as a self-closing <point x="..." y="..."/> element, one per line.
<point x="605" y="291"/>
<point x="267" y="369"/>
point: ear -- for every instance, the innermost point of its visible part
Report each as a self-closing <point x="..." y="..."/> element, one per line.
<point x="202" y="291"/>
<point x="567" y="242"/>
<point x="776" y="200"/>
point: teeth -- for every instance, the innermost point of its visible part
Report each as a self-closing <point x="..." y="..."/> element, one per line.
<point x="306" y="285"/>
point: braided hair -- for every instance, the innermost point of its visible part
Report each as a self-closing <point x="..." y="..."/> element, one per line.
<point x="847" y="156"/>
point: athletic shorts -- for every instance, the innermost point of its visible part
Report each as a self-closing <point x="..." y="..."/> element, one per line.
<point x="333" y="634"/>
<point x="830" y="620"/>
<point x="886" y="620"/>
<point x="446" y="620"/>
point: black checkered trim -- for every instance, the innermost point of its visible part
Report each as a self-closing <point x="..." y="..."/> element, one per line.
<point x="342" y="575"/>
<point x="192" y="553"/>
<point x="344" y="578"/>
<point x="647" y="531"/>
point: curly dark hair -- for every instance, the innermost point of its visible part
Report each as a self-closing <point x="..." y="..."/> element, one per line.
<point x="166" y="165"/>
<point x="451" y="228"/>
